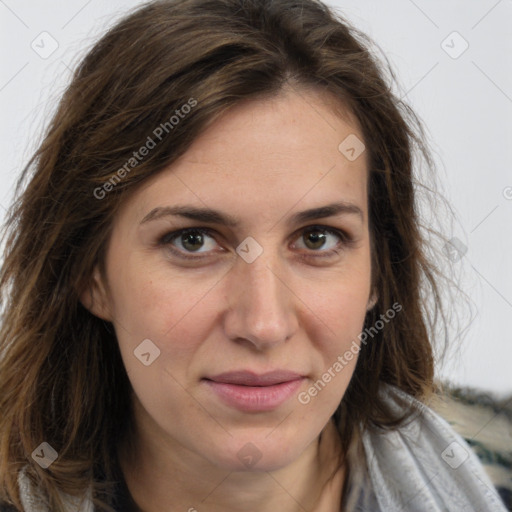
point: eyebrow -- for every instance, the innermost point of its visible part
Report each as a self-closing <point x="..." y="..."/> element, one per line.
<point x="216" y="217"/>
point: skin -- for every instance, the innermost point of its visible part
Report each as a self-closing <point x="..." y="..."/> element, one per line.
<point x="291" y="308"/>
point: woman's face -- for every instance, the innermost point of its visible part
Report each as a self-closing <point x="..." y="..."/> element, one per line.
<point x="263" y="291"/>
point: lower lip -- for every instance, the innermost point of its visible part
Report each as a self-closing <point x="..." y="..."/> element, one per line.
<point x="255" y="398"/>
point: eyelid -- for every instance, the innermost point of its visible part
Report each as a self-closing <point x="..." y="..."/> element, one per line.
<point x="346" y="240"/>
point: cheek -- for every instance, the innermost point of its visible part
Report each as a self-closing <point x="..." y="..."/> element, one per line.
<point x="339" y="308"/>
<point x="169" y="308"/>
<point x="338" y="325"/>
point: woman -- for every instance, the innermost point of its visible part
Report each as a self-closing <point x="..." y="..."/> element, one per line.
<point x="212" y="280"/>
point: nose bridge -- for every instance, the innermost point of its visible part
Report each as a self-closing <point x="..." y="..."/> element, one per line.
<point x="261" y="304"/>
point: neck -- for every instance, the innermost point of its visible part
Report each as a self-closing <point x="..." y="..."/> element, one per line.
<point x="175" y="479"/>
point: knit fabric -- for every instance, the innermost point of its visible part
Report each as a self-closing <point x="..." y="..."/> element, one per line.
<point x="426" y="466"/>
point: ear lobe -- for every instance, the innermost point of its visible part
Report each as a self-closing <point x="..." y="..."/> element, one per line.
<point x="94" y="297"/>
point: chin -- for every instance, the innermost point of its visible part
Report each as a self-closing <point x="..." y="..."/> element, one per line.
<point x="257" y="453"/>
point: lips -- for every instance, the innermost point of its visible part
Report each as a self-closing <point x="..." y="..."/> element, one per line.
<point x="250" y="392"/>
<point x="246" y="378"/>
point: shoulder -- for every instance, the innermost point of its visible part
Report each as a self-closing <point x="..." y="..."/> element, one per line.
<point x="425" y="462"/>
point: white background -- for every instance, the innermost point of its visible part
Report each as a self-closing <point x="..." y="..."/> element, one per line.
<point x="464" y="102"/>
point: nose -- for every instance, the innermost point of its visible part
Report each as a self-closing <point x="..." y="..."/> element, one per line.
<point x="262" y="305"/>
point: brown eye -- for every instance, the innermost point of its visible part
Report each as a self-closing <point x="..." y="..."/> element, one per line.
<point x="189" y="240"/>
<point x="315" y="239"/>
<point x="323" y="240"/>
<point x="192" y="241"/>
<point x="319" y="241"/>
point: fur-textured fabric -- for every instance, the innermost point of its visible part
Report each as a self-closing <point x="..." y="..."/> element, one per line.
<point x="485" y="423"/>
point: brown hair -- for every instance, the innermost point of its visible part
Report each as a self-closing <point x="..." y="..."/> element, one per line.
<point x="61" y="373"/>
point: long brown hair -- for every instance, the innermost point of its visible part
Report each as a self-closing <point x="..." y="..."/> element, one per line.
<point x="61" y="374"/>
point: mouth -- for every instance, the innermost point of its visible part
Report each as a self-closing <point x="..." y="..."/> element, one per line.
<point x="250" y="392"/>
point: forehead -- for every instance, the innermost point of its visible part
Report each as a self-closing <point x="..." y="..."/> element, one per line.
<point x="262" y="157"/>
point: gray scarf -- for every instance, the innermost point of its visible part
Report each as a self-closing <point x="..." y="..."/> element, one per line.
<point x="424" y="466"/>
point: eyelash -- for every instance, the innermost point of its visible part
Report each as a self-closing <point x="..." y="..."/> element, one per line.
<point x="167" y="239"/>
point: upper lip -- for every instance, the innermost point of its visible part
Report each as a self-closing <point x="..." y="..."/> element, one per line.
<point x="248" y="378"/>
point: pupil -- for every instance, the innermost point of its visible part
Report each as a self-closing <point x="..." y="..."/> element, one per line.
<point x="316" y="236"/>
<point x="189" y="238"/>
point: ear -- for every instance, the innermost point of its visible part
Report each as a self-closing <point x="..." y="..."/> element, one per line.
<point x="94" y="297"/>
<point x="372" y="301"/>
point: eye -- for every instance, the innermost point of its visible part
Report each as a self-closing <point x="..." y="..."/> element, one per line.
<point x="190" y="239"/>
<point x="317" y="237"/>
<point x="185" y="242"/>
